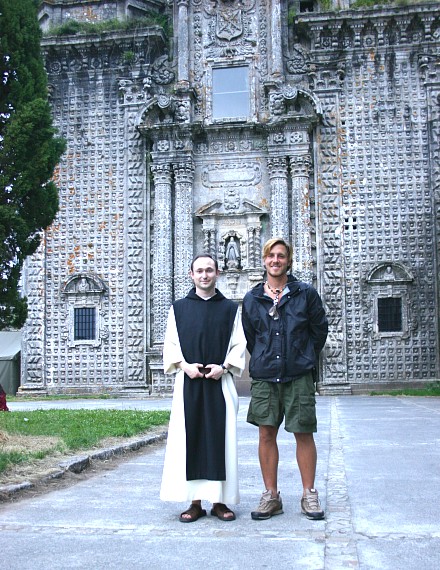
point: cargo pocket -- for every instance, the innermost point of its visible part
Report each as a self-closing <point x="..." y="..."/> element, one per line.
<point x="307" y="412"/>
<point x="261" y="399"/>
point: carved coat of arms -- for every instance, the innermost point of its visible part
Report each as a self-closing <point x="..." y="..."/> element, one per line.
<point x="229" y="16"/>
<point x="229" y="24"/>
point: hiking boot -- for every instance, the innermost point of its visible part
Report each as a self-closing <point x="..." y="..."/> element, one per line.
<point x="268" y="507"/>
<point x="310" y="505"/>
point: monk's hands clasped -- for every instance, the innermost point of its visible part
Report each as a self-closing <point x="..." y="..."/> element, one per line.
<point x="197" y="370"/>
<point x="215" y="371"/>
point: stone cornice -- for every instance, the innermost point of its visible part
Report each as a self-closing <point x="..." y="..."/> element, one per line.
<point x="376" y="13"/>
<point x="106" y="38"/>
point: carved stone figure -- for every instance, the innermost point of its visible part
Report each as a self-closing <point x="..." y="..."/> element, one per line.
<point x="232" y="253"/>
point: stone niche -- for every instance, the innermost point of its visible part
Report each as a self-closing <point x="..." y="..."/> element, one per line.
<point x="231" y="234"/>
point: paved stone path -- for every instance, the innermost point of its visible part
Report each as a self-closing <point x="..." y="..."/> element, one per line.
<point x="378" y="477"/>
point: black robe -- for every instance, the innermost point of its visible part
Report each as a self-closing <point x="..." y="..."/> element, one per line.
<point x="204" y="329"/>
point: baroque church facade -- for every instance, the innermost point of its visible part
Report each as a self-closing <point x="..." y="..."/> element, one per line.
<point x="249" y="119"/>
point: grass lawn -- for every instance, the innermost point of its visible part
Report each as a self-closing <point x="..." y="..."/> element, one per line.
<point x="26" y="436"/>
<point x="432" y="389"/>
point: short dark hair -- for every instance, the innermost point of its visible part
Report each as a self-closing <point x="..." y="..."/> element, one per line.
<point x="204" y="255"/>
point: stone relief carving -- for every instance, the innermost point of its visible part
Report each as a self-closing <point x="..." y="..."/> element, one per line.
<point x="134" y="91"/>
<point x="235" y="174"/>
<point x="182" y="110"/>
<point x="84" y="284"/>
<point x="369" y="36"/>
<point x="162" y="72"/>
<point x="388" y="272"/>
<point x="228" y="16"/>
<point x="235" y="240"/>
<point x="299" y="61"/>
<point x="231" y="199"/>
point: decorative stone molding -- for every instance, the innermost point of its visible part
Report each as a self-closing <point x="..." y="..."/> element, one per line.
<point x="390" y="280"/>
<point x="234" y="240"/>
<point x="85" y="291"/>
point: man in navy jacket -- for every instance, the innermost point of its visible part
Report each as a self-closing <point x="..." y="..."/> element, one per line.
<point x="286" y="328"/>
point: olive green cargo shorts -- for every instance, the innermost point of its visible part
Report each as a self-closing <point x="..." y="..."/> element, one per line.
<point x="294" y="401"/>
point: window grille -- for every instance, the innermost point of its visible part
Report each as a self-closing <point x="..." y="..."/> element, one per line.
<point x="389" y="314"/>
<point x="85" y="323"/>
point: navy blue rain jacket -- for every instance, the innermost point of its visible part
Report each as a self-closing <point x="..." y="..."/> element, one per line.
<point x="284" y="349"/>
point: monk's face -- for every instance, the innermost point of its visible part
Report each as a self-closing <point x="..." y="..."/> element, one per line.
<point x="204" y="275"/>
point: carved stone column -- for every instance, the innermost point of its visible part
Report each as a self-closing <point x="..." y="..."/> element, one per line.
<point x="162" y="262"/>
<point x="279" y="199"/>
<point x="301" y="238"/>
<point x="277" y="58"/>
<point x="183" y="227"/>
<point x="183" y="42"/>
<point x="254" y="247"/>
<point x="209" y="242"/>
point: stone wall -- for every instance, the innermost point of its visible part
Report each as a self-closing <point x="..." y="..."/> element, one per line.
<point x="379" y="203"/>
<point x="339" y="153"/>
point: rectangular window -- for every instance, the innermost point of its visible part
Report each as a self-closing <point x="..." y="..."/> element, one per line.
<point x="85" y="323"/>
<point x="306" y="6"/>
<point x="389" y="314"/>
<point x="230" y="92"/>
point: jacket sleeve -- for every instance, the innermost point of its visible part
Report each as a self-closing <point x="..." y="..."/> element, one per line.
<point x="249" y="330"/>
<point x="318" y="323"/>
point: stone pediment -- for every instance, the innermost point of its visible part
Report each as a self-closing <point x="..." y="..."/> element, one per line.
<point x="389" y="272"/>
<point x="84" y="284"/>
<point x="252" y="208"/>
<point x="216" y="207"/>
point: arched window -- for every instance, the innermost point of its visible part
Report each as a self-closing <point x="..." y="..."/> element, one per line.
<point x="390" y="282"/>
<point x="84" y="294"/>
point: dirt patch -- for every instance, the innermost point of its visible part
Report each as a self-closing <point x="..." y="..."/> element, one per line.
<point x="45" y="474"/>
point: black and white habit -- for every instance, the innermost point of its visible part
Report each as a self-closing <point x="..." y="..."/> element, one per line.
<point x="201" y="454"/>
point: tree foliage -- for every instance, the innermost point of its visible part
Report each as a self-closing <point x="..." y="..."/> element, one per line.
<point x="29" y="151"/>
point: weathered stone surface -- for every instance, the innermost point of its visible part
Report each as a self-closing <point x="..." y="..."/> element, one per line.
<point x="338" y="152"/>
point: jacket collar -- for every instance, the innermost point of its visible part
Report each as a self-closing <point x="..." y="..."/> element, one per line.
<point x="292" y="283"/>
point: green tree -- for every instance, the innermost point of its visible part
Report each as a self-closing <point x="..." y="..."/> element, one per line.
<point x="29" y="151"/>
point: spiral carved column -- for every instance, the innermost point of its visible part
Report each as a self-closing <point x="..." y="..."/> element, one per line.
<point x="162" y="262"/>
<point x="301" y="236"/>
<point x="279" y="199"/>
<point x="183" y="223"/>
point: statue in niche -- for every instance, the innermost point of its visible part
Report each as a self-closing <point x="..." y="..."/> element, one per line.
<point x="232" y="253"/>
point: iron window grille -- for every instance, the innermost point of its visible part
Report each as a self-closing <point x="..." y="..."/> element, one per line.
<point x="84" y="323"/>
<point x="389" y="314"/>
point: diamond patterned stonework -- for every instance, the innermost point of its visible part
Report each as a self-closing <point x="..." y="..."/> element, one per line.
<point x="251" y="121"/>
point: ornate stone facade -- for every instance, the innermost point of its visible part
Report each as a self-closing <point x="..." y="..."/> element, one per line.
<point x="322" y="128"/>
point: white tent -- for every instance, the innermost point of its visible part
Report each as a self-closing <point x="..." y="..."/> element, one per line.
<point x="10" y="348"/>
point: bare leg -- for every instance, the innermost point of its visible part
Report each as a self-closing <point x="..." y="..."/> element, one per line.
<point x="306" y="457"/>
<point x="268" y="456"/>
